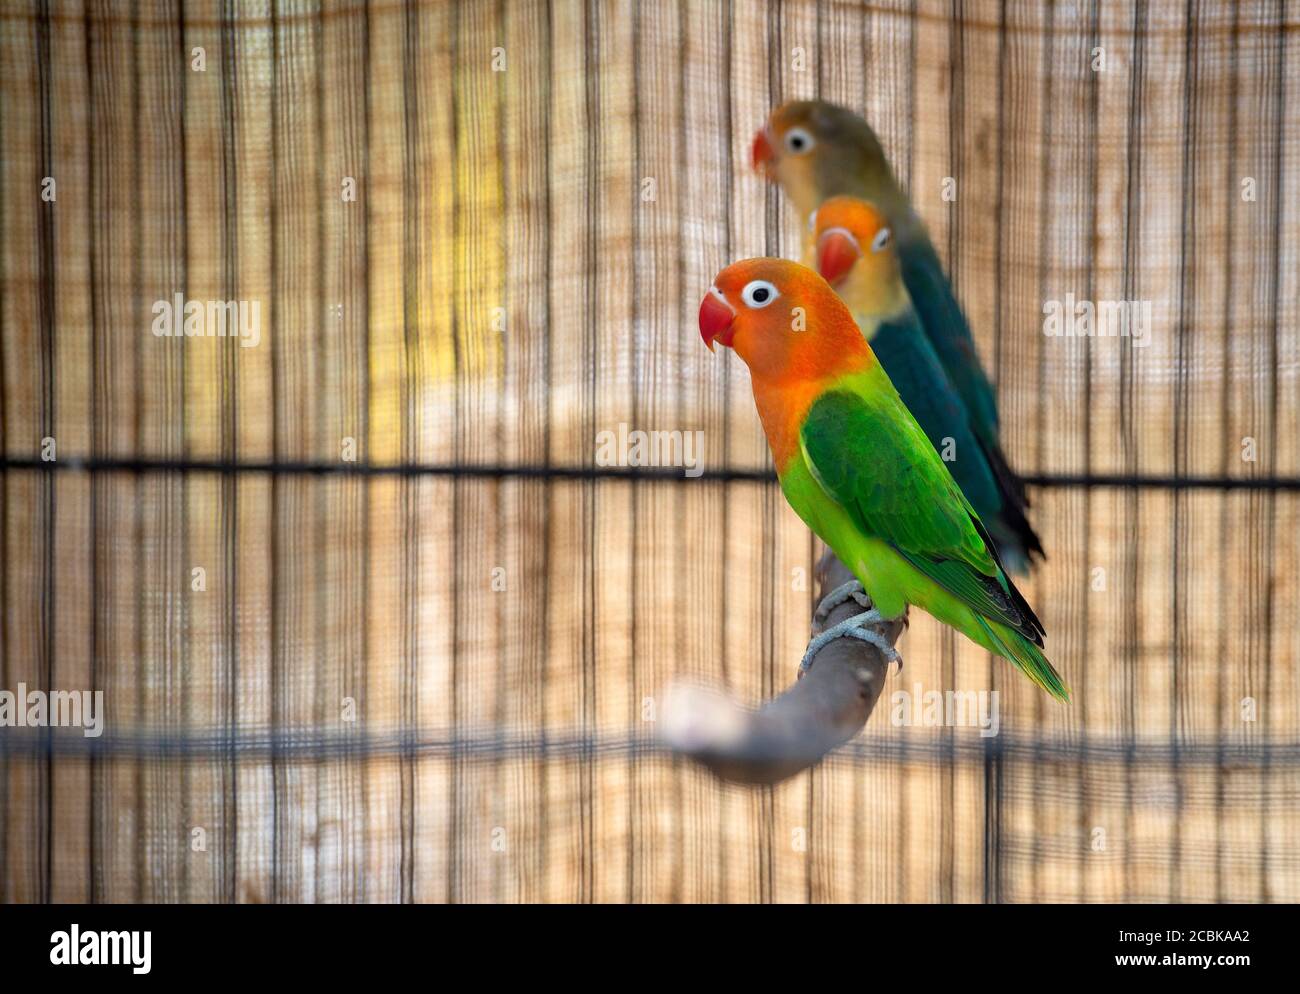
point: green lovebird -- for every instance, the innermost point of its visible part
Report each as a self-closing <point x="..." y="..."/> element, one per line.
<point x="859" y="470"/>
<point x="853" y="250"/>
<point x="815" y="151"/>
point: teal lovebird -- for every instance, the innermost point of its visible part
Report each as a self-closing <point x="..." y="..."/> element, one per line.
<point x="815" y="151"/>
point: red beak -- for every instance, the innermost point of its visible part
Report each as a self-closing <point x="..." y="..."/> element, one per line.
<point x="761" y="152"/>
<point x="716" y="320"/>
<point x="837" y="253"/>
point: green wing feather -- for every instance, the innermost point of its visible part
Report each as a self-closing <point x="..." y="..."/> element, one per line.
<point x="870" y="456"/>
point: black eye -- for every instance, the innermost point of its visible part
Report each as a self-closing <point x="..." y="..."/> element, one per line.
<point x="798" y="141"/>
<point x="758" y="293"/>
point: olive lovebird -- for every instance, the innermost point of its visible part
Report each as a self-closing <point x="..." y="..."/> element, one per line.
<point x="815" y="151"/>
<point x="858" y="469"/>
<point x="853" y="249"/>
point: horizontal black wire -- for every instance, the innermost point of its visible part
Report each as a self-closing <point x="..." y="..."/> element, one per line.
<point x="309" y="745"/>
<point x="637" y="473"/>
<point x="469" y="471"/>
<point x="1123" y="481"/>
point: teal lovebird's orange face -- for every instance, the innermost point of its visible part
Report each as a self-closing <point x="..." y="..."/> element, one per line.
<point x="854" y="248"/>
<point x="851" y="236"/>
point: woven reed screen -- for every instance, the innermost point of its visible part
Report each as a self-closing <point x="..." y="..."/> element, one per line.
<point x="352" y="708"/>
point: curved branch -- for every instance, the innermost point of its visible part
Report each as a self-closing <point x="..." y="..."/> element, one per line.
<point x="822" y="710"/>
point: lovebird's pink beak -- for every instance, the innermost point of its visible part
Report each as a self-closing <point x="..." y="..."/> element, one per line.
<point x="716" y="320"/>
<point x="761" y="152"/>
<point x="837" y="253"/>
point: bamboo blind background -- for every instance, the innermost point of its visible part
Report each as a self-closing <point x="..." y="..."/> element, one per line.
<point x="499" y="750"/>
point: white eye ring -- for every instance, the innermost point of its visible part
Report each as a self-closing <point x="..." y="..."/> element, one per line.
<point x="758" y="293"/>
<point x="881" y="240"/>
<point x="798" y="141"/>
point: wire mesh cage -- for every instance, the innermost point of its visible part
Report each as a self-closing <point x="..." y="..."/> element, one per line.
<point x="370" y="617"/>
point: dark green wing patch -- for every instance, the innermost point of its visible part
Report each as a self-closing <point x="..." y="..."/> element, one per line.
<point x="945" y="325"/>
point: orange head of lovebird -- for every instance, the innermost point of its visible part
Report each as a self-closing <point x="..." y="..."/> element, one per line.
<point x="817" y="150"/>
<point x="853" y="247"/>
<point x="783" y="320"/>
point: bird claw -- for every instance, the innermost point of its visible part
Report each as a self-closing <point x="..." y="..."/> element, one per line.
<point x="854" y="627"/>
<point x="852" y="590"/>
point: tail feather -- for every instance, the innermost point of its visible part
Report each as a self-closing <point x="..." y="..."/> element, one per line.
<point x="1027" y="657"/>
<point x="1016" y="537"/>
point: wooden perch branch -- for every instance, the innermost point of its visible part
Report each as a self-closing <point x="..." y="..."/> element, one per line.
<point x="792" y="732"/>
